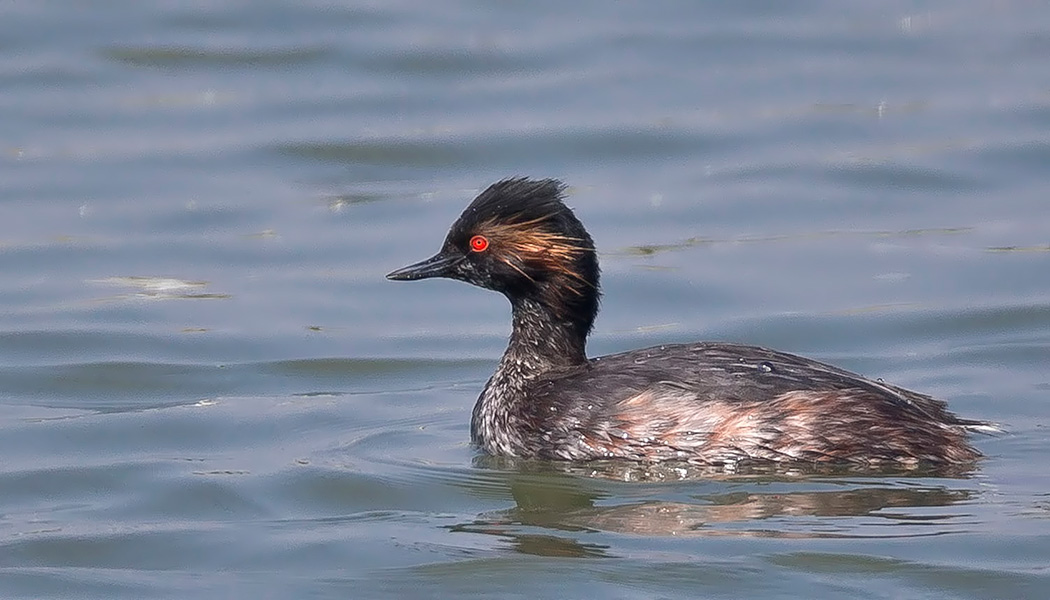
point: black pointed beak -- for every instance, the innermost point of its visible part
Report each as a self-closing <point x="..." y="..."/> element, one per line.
<point x="439" y="265"/>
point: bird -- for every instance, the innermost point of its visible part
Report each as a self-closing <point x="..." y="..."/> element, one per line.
<point x="704" y="403"/>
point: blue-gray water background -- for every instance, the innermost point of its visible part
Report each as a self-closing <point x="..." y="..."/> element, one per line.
<point x="208" y="390"/>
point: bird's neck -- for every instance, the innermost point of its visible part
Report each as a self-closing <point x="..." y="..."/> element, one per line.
<point x="540" y="342"/>
<point x="542" y="339"/>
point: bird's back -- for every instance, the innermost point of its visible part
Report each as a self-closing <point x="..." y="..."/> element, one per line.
<point x="716" y="402"/>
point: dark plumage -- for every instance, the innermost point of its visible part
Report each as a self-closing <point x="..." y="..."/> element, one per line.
<point x="706" y="403"/>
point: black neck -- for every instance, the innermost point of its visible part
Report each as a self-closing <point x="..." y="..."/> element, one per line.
<point x="542" y="340"/>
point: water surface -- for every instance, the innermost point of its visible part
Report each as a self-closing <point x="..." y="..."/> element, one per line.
<point x="211" y="391"/>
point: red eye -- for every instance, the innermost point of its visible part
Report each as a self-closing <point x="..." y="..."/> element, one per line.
<point x="479" y="243"/>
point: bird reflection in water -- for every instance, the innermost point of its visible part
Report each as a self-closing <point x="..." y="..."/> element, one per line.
<point x="554" y="500"/>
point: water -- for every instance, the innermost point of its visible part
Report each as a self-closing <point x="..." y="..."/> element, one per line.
<point x="210" y="391"/>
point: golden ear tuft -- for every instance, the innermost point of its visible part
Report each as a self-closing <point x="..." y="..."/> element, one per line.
<point x="523" y="243"/>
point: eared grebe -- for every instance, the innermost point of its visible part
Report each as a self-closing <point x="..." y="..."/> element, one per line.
<point x="707" y="403"/>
